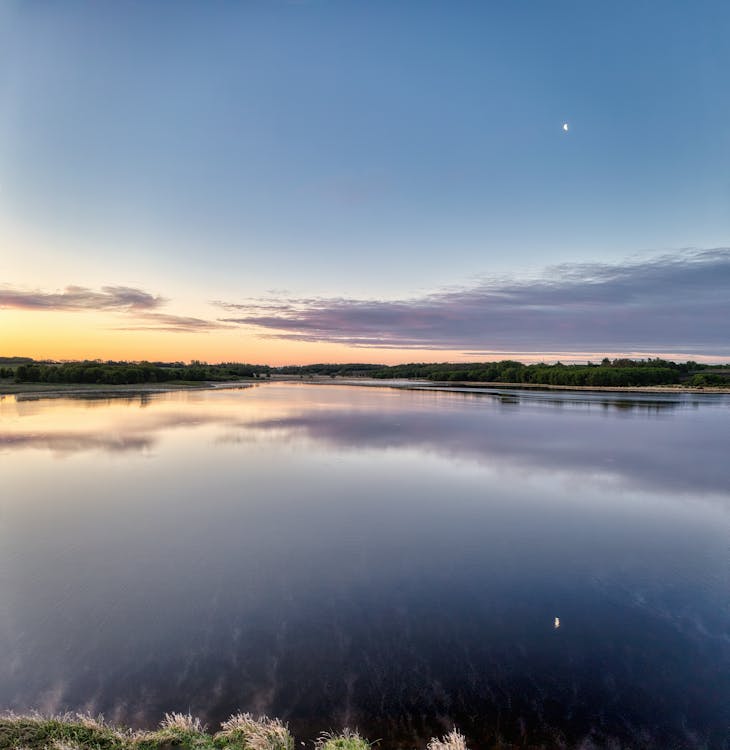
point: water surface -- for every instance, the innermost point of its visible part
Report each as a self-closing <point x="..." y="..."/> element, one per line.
<point x="382" y="558"/>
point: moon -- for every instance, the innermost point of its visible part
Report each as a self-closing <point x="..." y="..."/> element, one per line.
<point x="565" y="127"/>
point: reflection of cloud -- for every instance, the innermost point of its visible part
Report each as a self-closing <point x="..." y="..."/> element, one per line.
<point x="657" y="456"/>
<point x="139" y="435"/>
<point x="114" y="298"/>
<point x="674" y="303"/>
<point x="673" y="444"/>
<point x="76" y="442"/>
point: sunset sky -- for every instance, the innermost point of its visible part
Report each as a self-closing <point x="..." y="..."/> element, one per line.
<point x="376" y="181"/>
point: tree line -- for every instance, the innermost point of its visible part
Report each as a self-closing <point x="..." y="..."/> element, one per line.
<point x="120" y="373"/>
<point x="616" y="372"/>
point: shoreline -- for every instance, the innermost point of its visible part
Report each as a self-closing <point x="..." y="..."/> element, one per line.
<point x="59" y="390"/>
<point x="482" y="385"/>
<point x="242" y="731"/>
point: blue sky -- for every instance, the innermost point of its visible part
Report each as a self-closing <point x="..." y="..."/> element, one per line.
<point x="379" y="150"/>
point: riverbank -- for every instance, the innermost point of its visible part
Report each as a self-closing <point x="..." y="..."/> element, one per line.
<point x="485" y="385"/>
<point x="59" y="390"/>
<point x="240" y="732"/>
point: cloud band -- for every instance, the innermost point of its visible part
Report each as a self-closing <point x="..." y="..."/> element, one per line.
<point x="672" y="303"/>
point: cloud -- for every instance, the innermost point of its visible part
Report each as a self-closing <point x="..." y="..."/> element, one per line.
<point x="109" y="298"/>
<point x="136" y="304"/>
<point x="171" y="323"/>
<point x="672" y="303"/>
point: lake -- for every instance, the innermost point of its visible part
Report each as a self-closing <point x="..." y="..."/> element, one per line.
<point x="382" y="558"/>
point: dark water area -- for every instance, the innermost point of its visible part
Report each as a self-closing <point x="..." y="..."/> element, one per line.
<point x="392" y="560"/>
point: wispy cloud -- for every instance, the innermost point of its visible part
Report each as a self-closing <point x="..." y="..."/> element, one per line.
<point x="672" y="303"/>
<point x="137" y="306"/>
<point x="171" y="323"/>
<point x="109" y="298"/>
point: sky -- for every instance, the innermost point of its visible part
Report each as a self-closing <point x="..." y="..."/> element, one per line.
<point x="362" y="180"/>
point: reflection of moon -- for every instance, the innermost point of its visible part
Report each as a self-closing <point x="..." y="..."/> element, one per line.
<point x="565" y="127"/>
<point x="556" y="624"/>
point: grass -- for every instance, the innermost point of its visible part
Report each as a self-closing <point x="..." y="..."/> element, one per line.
<point x="346" y="740"/>
<point x="65" y="732"/>
<point x="454" y="740"/>
<point x="245" y="732"/>
<point x="176" y="732"/>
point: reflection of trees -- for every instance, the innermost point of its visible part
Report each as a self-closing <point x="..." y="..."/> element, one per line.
<point x="620" y="402"/>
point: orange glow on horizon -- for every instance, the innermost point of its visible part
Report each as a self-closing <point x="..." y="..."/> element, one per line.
<point x="77" y="336"/>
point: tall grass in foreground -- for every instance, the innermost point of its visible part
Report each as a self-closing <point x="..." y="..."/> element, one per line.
<point x="454" y="740"/>
<point x="63" y="732"/>
<point x="346" y="740"/>
<point x="176" y="730"/>
<point x="240" y="732"/>
<point x="243" y="731"/>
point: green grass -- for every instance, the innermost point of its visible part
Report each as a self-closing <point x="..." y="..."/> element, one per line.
<point x="243" y="732"/>
<point x="176" y="732"/>
<point x="346" y="740"/>
<point x="67" y="732"/>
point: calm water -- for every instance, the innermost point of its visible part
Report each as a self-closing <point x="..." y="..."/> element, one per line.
<point x="387" y="559"/>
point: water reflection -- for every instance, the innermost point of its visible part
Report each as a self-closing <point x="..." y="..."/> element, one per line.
<point x="620" y="400"/>
<point x="390" y="559"/>
<point x="636" y="401"/>
<point x="657" y="454"/>
<point x="684" y="454"/>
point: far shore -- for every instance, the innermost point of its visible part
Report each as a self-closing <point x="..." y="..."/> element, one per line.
<point x="59" y="390"/>
<point x="445" y="384"/>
